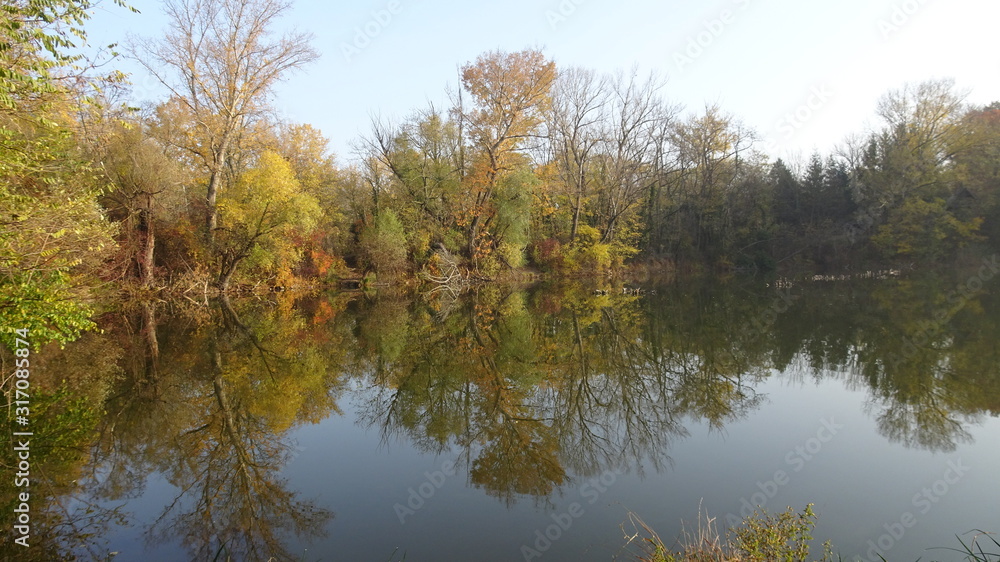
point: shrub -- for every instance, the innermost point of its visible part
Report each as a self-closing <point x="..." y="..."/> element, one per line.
<point x="761" y="538"/>
<point x="547" y="254"/>
<point x="383" y="244"/>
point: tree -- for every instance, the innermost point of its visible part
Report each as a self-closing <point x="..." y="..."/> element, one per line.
<point x="214" y="421"/>
<point x="908" y="172"/>
<point x="712" y="151"/>
<point x="632" y="153"/>
<point x="422" y="158"/>
<point x="925" y="230"/>
<point x="512" y="92"/>
<point x="920" y="136"/>
<point x="978" y="169"/>
<point x="139" y="171"/>
<point x="52" y="231"/>
<point x="263" y="207"/>
<point x="576" y="122"/>
<point x="787" y="194"/>
<point x="220" y="62"/>
<point x="308" y="153"/>
<point x="383" y="243"/>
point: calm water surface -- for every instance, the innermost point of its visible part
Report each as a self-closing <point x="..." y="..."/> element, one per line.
<point x="510" y="425"/>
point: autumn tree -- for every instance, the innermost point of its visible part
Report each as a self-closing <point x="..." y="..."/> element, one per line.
<point x="52" y="230"/>
<point x="711" y="152"/>
<point x="140" y="171"/>
<point x="262" y="209"/>
<point x="511" y="94"/>
<point x="307" y="151"/>
<point x="214" y="421"/>
<point x="907" y="176"/>
<point x="220" y="62"/>
<point x="313" y="164"/>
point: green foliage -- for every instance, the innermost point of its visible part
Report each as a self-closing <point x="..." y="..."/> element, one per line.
<point x="925" y="230"/>
<point x="46" y="305"/>
<point x="620" y="253"/>
<point x="761" y="537"/>
<point x="975" y="549"/>
<point x="488" y="266"/>
<point x="52" y="231"/>
<point x="512" y="199"/>
<point x="52" y="234"/>
<point x="511" y="254"/>
<point x="420" y="247"/>
<point x="383" y="244"/>
<point x="65" y="423"/>
<point x="782" y="537"/>
<point x="453" y="240"/>
<point x="35" y="37"/>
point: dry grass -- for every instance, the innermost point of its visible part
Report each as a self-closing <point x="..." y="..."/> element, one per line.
<point x="762" y="537"/>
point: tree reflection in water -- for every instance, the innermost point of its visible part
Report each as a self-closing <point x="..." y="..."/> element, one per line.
<point x="213" y="420"/>
<point x="533" y="390"/>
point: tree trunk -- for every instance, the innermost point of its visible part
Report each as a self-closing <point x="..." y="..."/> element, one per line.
<point x="473" y="234"/>
<point x="149" y="331"/>
<point x="224" y="277"/>
<point x="211" y="213"/>
<point x="576" y="216"/>
<point x="214" y="181"/>
<point x="149" y="245"/>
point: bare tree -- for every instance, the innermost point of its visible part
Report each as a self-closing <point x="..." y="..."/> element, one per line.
<point x="220" y="60"/>
<point x="575" y="127"/>
<point x="631" y="148"/>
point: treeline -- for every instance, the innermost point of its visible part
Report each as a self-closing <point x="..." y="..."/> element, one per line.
<point x="573" y="171"/>
<point x="563" y="170"/>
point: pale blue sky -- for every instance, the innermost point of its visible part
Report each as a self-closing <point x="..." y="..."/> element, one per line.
<point x="760" y="60"/>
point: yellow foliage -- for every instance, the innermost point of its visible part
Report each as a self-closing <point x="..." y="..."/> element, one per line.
<point x="266" y="211"/>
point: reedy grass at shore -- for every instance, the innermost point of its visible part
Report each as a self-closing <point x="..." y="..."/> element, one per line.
<point x="763" y="537"/>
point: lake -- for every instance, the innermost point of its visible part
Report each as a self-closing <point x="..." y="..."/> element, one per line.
<point x="533" y="424"/>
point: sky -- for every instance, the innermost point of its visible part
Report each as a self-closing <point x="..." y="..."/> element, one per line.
<point x="804" y="74"/>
